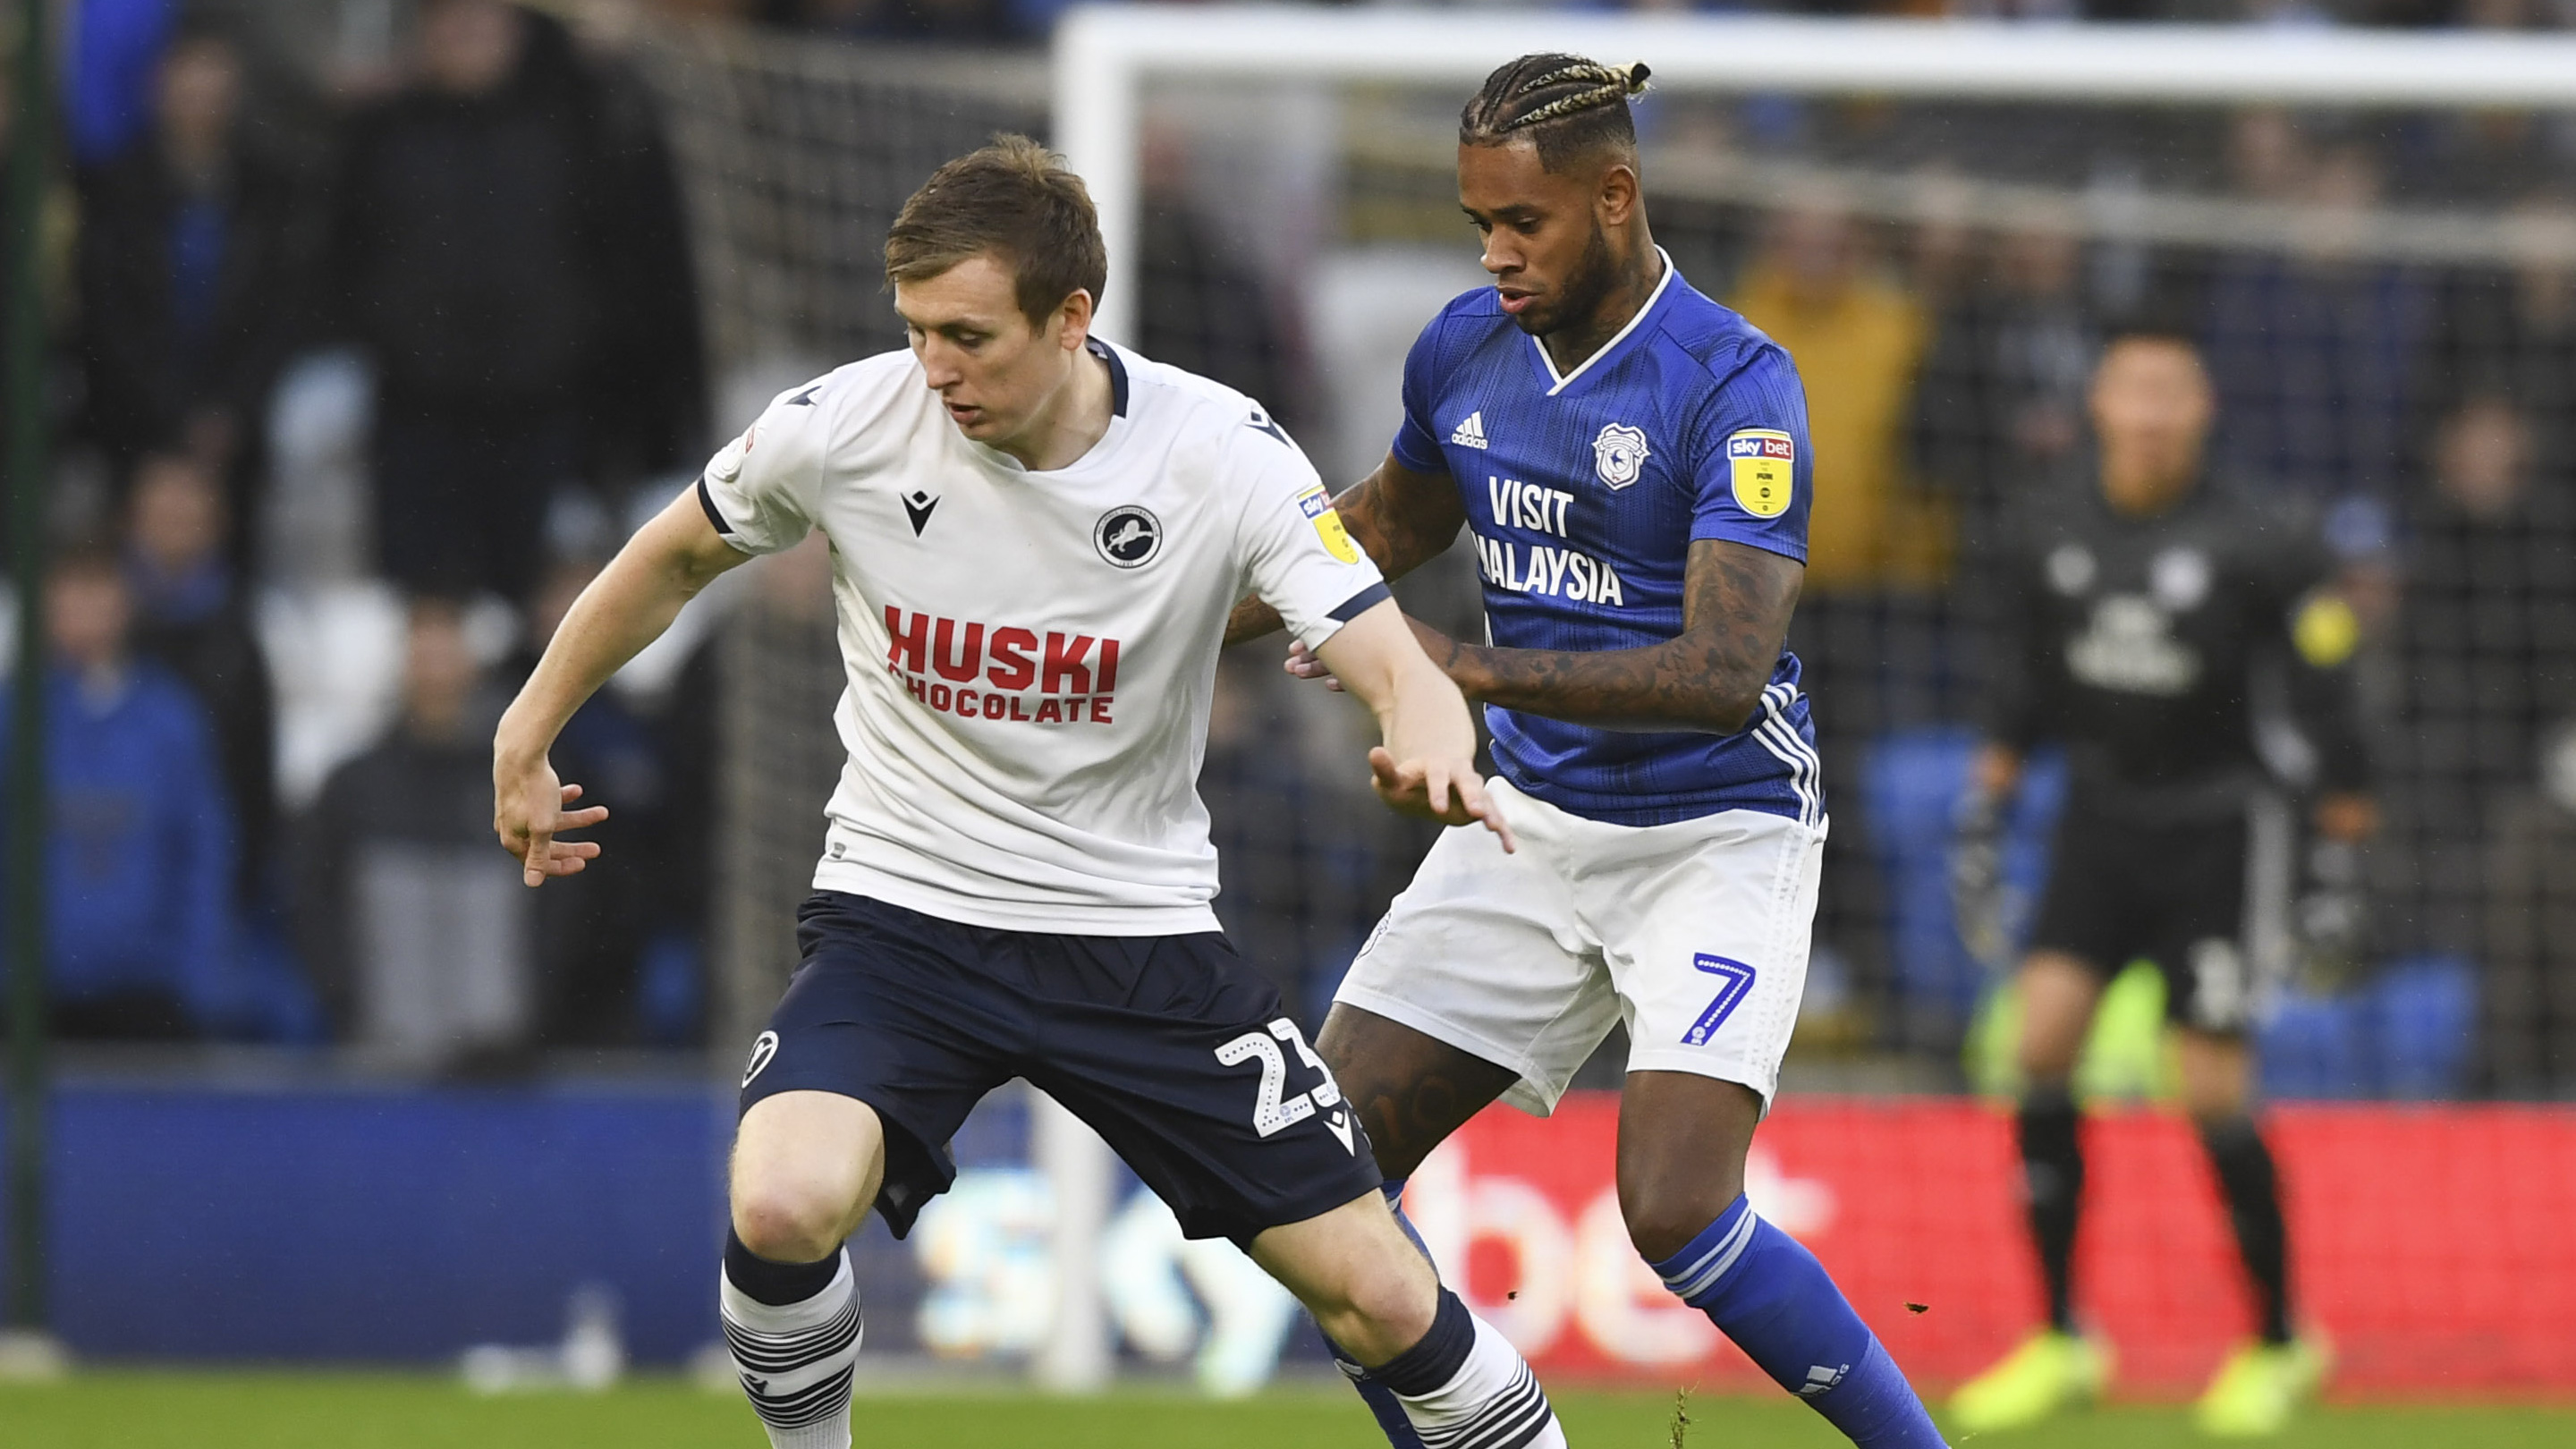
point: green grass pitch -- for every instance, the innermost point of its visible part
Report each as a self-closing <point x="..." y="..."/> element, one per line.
<point x="128" y="1409"/>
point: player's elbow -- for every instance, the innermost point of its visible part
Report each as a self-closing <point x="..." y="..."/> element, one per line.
<point x="688" y="572"/>
<point x="1732" y="704"/>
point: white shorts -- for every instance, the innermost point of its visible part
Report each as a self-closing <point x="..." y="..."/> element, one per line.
<point x="1692" y="934"/>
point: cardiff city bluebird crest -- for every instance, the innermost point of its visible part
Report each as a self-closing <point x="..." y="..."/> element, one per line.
<point x="1619" y="454"/>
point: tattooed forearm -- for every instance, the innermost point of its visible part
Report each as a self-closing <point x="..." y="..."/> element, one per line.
<point x="1735" y="619"/>
<point x="1402" y="518"/>
<point x="1250" y="620"/>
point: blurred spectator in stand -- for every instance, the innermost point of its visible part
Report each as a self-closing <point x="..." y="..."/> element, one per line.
<point x="2486" y="653"/>
<point x="1999" y="413"/>
<point x="139" y="899"/>
<point x="107" y="82"/>
<point x="412" y="918"/>
<point x="593" y="929"/>
<point x="1876" y="548"/>
<point x="2267" y="158"/>
<point x="2527" y="1047"/>
<point x="1815" y="291"/>
<point x="645" y="394"/>
<point x="1940" y="249"/>
<point x="488" y="259"/>
<point x="1201" y="306"/>
<point x="754" y="746"/>
<point x="2473" y="156"/>
<point x="196" y="623"/>
<point x="2312" y="351"/>
<point x="194" y="253"/>
<point x="2511" y="334"/>
<point x="677" y="1002"/>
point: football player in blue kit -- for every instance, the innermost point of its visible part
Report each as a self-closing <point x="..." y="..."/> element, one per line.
<point x="1631" y="461"/>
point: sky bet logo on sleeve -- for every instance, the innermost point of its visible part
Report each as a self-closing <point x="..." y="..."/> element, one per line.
<point x="1762" y="460"/>
<point x="1317" y="505"/>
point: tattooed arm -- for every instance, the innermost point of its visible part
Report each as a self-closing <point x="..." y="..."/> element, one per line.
<point x="1735" y="617"/>
<point x="1400" y="518"/>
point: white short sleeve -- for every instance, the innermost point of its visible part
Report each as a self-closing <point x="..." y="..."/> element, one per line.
<point x="1297" y="556"/>
<point x="763" y="490"/>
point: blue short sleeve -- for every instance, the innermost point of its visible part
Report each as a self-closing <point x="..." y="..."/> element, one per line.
<point x="1416" y="446"/>
<point x="1754" y="474"/>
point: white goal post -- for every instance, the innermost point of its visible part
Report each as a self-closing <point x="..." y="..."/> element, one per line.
<point x="1104" y="55"/>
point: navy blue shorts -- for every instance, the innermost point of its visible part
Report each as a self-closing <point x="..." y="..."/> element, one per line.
<point x="1171" y="1047"/>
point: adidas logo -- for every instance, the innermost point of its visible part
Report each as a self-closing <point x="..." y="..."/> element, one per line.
<point x="1821" y="1379"/>
<point x="1471" y="433"/>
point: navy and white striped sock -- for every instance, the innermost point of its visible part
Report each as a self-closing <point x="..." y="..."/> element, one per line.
<point x="1465" y="1387"/>
<point x="794" y="1330"/>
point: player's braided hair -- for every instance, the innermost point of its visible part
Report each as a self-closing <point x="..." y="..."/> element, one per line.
<point x="1567" y="105"/>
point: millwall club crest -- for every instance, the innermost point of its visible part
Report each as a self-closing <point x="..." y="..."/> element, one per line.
<point x="1619" y="455"/>
<point x="1128" y="536"/>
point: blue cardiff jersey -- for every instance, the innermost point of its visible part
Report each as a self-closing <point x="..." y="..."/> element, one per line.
<point x="1585" y="493"/>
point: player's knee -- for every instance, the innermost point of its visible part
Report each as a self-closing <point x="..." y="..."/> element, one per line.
<point x="1660" y="1225"/>
<point x="788" y="1220"/>
<point x="2048" y="1049"/>
<point x="1376" y="1316"/>
<point x="2058" y="994"/>
<point x="2045" y="1064"/>
<point x="1373" y="1293"/>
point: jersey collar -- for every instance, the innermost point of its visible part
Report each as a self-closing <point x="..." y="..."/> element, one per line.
<point x="1559" y="382"/>
<point x="1117" y="374"/>
<point x="1110" y="442"/>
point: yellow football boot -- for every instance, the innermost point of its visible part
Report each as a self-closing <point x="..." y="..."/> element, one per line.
<point x="2049" y="1372"/>
<point x="2261" y="1385"/>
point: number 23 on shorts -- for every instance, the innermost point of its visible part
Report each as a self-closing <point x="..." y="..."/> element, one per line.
<point x="1271" y="1111"/>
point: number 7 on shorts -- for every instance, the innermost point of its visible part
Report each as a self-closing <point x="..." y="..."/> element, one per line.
<point x="1738" y="979"/>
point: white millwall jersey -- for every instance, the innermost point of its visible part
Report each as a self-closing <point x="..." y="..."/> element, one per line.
<point x="1031" y="654"/>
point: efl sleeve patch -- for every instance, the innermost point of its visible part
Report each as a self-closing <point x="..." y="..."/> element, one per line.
<point x="1317" y="505"/>
<point x="1762" y="462"/>
<point x="2326" y="631"/>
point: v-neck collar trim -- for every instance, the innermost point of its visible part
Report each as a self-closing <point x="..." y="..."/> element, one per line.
<point x="1105" y="448"/>
<point x="1561" y="381"/>
<point x="1117" y="374"/>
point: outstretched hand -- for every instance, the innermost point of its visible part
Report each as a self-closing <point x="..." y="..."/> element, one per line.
<point x="1443" y="790"/>
<point x="530" y="808"/>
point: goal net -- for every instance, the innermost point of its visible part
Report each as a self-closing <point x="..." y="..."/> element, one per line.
<point x="2372" y="236"/>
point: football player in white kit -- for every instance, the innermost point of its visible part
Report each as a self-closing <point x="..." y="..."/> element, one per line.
<point x="1035" y="539"/>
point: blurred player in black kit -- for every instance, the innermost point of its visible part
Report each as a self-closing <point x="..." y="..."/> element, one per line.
<point x="2155" y="627"/>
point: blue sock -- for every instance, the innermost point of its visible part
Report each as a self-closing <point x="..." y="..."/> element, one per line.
<point x="1381" y="1400"/>
<point x="1769" y="1294"/>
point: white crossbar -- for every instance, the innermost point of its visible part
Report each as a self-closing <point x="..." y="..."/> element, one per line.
<point x="1103" y="54"/>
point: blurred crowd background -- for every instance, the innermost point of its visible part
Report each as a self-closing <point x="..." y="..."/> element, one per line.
<point x="375" y="326"/>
